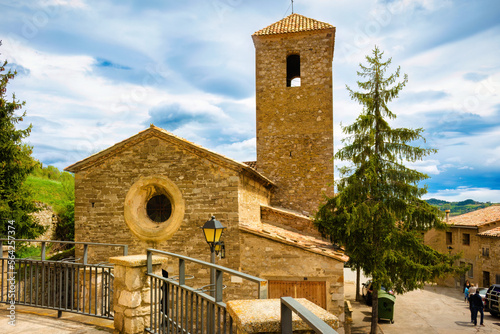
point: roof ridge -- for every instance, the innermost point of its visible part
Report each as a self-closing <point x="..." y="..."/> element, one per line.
<point x="110" y="151"/>
<point x="293" y="23"/>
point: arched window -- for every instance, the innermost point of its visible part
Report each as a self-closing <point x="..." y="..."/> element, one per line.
<point x="293" y="71"/>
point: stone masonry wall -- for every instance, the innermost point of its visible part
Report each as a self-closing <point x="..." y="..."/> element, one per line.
<point x="471" y="254"/>
<point x="47" y="218"/>
<point x="273" y="260"/>
<point x="491" y="263"/>
<point x="252" y="195"/>
<point x="295" y="124"/>
<point x="207" y="189"/>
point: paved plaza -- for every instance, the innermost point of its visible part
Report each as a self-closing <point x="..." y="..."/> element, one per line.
<point x="432" y="310"/>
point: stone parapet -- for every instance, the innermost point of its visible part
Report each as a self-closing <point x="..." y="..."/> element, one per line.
<point x="264" y="316"/>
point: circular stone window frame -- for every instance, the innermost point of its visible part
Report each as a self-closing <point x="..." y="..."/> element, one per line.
<point x="135" y="213"/>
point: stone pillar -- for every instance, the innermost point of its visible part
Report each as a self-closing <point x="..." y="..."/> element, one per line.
<point x="131" y="299"/>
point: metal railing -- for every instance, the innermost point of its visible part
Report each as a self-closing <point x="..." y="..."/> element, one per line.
<point x="65" y="285"/>
<point x="289" y="305"/>
<point x="179" y="308"/>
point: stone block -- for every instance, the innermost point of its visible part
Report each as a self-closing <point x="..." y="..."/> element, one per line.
<point x="134" y="325"/>
<point x="134" y="277"/>
<point x="130" y="299"/>
<point x="138" y="311"/>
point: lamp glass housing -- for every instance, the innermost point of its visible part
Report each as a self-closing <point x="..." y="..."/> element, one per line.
<point x="213" y="231"/>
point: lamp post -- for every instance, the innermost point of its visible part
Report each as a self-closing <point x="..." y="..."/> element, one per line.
<point x="213" y="231"/>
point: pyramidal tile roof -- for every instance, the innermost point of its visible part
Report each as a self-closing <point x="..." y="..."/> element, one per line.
<point x="293" y="23"/>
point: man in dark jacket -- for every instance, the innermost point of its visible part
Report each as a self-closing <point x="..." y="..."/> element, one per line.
<point x="476" y="304"/>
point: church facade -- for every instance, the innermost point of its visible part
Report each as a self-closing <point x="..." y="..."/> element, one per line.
<point x="155" y="190"/>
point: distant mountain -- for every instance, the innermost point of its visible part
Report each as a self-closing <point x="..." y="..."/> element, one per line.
<point x="434" y="201"/>
<point x="458" y="208"/>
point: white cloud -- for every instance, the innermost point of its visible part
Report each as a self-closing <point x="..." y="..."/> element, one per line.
<point x="65" y="3"/>
<point x="240" y="151"/>
<point x="425" y="166"/>
<point x="58" y="42"/>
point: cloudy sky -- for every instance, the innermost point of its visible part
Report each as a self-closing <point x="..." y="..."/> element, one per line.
<point x="93" y="73"/>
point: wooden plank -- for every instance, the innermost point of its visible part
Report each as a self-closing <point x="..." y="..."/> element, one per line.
<point x="315" y="291"/>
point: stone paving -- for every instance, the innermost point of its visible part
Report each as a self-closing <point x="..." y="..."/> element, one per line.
<point x="41" y="321"/>
<point x="435" y="310"/>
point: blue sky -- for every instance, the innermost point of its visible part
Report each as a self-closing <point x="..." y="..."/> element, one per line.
<point x="96" y="72"/>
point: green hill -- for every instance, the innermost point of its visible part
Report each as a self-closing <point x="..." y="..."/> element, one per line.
<point x="56" y="189"/>
<point x="47" y="191"/>
<point x="51" y="187"/>
<point x="458" y="208"/>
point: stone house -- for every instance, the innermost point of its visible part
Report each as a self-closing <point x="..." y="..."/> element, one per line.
<point x="155" y="190"/>
<point x="477" y="236"/>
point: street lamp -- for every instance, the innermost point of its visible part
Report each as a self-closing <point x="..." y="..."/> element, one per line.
<point x="213" y="231"/>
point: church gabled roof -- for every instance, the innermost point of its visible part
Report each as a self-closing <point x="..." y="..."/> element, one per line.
<point x="154" y="131"/>
<point x="293" y="23"/>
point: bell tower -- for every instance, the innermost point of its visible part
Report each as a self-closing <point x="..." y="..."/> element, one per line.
<point x="295" y="110"/>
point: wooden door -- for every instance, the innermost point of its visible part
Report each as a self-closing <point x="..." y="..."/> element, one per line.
<point x="313" y="291"/>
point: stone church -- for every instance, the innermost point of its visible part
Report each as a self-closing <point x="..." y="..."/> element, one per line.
<point x="155" y="190"/>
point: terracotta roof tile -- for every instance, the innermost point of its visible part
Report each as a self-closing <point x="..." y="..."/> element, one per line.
<point x="306" y="242"/>
<point x="252" y="164"/>
<point x="494" y="232"/>
<point x="293" y="23"/>
<point x="477" y="218"/>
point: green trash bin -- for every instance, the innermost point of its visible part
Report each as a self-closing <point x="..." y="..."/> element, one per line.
<point x="386" y="306"/>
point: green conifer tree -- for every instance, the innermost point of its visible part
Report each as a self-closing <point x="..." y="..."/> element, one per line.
<point x="377" y="214"/>
<point x="16" y="164"/>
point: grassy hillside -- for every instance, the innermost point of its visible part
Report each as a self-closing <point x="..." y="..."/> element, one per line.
<point x="458" y="208"/>
<point x="55" y="188"/>
<point x="47" y="191"/>
<point x="51" y="186"/>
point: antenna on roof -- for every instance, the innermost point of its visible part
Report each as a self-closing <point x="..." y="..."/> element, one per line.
<point x="290" y="5"/>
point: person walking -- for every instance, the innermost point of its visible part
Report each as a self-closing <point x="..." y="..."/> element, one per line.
<point x="466" y="294"/>
<point x="466" y="285"/>
<point x="476" y="305"/>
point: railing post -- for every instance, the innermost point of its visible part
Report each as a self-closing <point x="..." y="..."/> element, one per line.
<point x="286" y="319"/>
<point x="218" y="285"/>
<point x="42" y="256"/>
<point x="85" y="253"/>
<point x="149" y="262"/>
<point x="182" y="272"/>
<point x="125" y="250"/>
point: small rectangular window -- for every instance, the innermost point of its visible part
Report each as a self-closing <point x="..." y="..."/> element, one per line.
<point x="466" y="239"/>
<point x="486" y="252"/>
<point x="497" y="279"/>
<point x="486" y="279"/>
<point x="449" y="238"/>
<point x="471" y="271"/>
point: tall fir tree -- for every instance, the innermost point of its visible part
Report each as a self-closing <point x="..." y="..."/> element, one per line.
<point x="16" y="164"/>
<point x="377" y="214"/>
